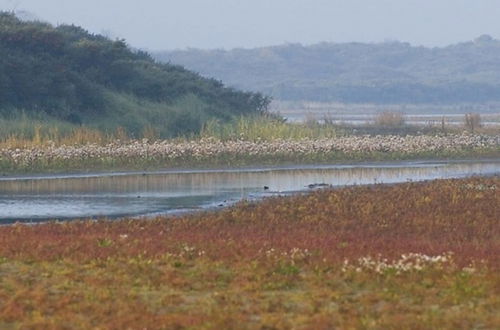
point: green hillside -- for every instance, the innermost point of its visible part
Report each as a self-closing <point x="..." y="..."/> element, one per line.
<point x="65" y="74"/>
<point x="384" y="73"/>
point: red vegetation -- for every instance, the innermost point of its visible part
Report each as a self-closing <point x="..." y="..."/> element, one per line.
<point x="458" y="216"/>
<point x="278" y="264"/>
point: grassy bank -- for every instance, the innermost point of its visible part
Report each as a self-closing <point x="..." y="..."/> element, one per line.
<point x="37" y="146"/>
<point x="144" y="155"/>
<point x="413" y="255"/>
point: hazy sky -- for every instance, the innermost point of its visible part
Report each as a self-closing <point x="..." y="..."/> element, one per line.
<point x="169" y="24"/>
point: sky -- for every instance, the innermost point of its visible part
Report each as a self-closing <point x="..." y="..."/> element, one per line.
<point x="209" y="24"/>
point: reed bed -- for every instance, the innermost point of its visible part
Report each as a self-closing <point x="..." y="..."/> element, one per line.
<point x="269" y="129"/>
<point x="212" y="151"/>
<point x="413" y="255"/>
<point x="28" y="133"/>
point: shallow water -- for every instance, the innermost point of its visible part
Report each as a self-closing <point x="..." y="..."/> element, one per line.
<point x="489" y="120"/>
<point x="145" y="194"/>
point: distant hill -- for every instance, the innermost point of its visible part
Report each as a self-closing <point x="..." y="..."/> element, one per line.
<point x="70" y="75"/>
<point x="391" y="72"/>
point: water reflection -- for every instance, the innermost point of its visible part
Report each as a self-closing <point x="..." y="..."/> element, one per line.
<point x="154" y="193"/>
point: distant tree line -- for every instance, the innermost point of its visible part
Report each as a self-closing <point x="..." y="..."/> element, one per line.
<point x="391" y="72"/>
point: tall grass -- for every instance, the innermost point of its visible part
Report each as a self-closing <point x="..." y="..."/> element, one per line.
<point x="142" y="118"/>
<point x="23" y="131"/>
<point x="472" y="121"/>
<point x="129" y="118"/>
<point x="125" y="114"/>
<point x="390" y="119"/>
<point x="267" y="129"/>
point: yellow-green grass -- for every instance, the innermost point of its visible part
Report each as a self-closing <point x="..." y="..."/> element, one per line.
<point x="27" y="132"/>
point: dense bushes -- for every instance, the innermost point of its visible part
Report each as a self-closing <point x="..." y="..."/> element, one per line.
<point x="72" y="75"/>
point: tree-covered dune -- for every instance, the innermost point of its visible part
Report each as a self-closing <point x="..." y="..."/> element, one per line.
<point x="384" y="73"/>
<point x="68" y="75"/>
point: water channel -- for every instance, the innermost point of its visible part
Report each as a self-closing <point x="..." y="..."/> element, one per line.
<point x="34" y="199"/>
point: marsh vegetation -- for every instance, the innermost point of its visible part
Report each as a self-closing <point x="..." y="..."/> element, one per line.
<point x="405" y="255"/>
<point x="245" y="150"/>
<point x="412" y="255"/>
